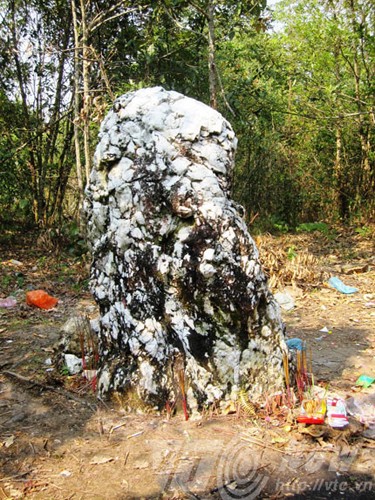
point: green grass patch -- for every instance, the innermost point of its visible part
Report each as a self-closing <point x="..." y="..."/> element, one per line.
<point x="311" y="227"/>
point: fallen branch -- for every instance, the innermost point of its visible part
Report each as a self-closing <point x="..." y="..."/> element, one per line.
<point x="16" y="476"/>
<point x="60" y="391"/>
<point x="115" y="427"/>
<point x="288" y="452"/>
<point x="263" y="445"/>
<point x="368" y="445"/>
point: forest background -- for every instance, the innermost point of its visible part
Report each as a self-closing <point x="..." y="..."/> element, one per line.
<point x="295" y="78"/>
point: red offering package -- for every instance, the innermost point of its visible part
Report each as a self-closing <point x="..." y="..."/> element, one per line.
<point x="304" y="419"/>
<point x="40" y="298"/>
<point x="312" y="411"/>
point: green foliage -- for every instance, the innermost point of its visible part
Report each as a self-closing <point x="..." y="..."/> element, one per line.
<point x="264" y="181"/>
<point x="271" y="224"/>
<point x="305" y="143"/>
<point x="11" y="281"/>
<point x="280" y="227"/>
<point x="300" y="99"/>
<point x="14" y="174"/>
<point x="6" y="281"/>
<point x="73" y="239"/>
<point x="66" y="237"/>
<point x="364" y="231"/>
<point x="326" y="82"/>
<point x="64" y="371"/>
<point x="291" y="252"/>
<point x="310" y="227"/>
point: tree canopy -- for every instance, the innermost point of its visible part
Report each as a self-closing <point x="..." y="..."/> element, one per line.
<point x="295" y="80"/>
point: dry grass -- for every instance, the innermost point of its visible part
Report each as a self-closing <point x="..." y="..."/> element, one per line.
<point x="288" y="264"/>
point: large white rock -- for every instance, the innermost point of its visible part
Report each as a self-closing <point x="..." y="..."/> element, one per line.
<point x="175" y="271"/>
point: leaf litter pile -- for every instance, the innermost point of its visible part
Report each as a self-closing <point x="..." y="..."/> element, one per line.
<point x="58" y="440"/>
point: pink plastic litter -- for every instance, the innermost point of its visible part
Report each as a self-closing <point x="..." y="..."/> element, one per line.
<point x="336" y="413"/>
<point x="8" y="302"/>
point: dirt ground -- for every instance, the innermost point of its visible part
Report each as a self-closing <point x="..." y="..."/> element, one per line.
<point x="58" y="441"/>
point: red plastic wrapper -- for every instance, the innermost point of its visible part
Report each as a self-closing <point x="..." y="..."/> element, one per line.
<point x="304" y="419"/>
<point x="40" y="298"/>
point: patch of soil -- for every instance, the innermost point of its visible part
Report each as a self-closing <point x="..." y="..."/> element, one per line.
<point x="58" y="441"/>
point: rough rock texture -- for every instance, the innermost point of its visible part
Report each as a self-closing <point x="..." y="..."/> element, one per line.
<point x="175" y="271"/>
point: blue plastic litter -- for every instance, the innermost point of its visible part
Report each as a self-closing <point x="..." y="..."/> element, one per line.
<point x="339" y="285"/>
<point x="296" y="344"/>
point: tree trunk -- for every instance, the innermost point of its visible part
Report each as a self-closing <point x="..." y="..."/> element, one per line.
<point x="185" y="312"/>
<point x="341" y="180"/>
<point x="58" y="130"/>
<point x="85" y="113"/>
<point x="212" y="75"/>
<point x="77" y="102"/>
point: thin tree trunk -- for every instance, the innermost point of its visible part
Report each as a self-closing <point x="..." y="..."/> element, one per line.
<point x="41" y="159"/>
<point x="86" y="90"/>
<point x="64" y="170"/>
<point x="212" y="76"/>
<point x="76" y="113"/>
<point x="340" y="177"/>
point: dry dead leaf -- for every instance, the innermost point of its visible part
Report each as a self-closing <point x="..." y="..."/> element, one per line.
<point x="279" y="440"/>
<point x="230" y="407"/>
<point x="141" y="464"/>
<point x="100" y="459"/>
<point x="9" y="441"/>
<point x="48" y="349"/>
